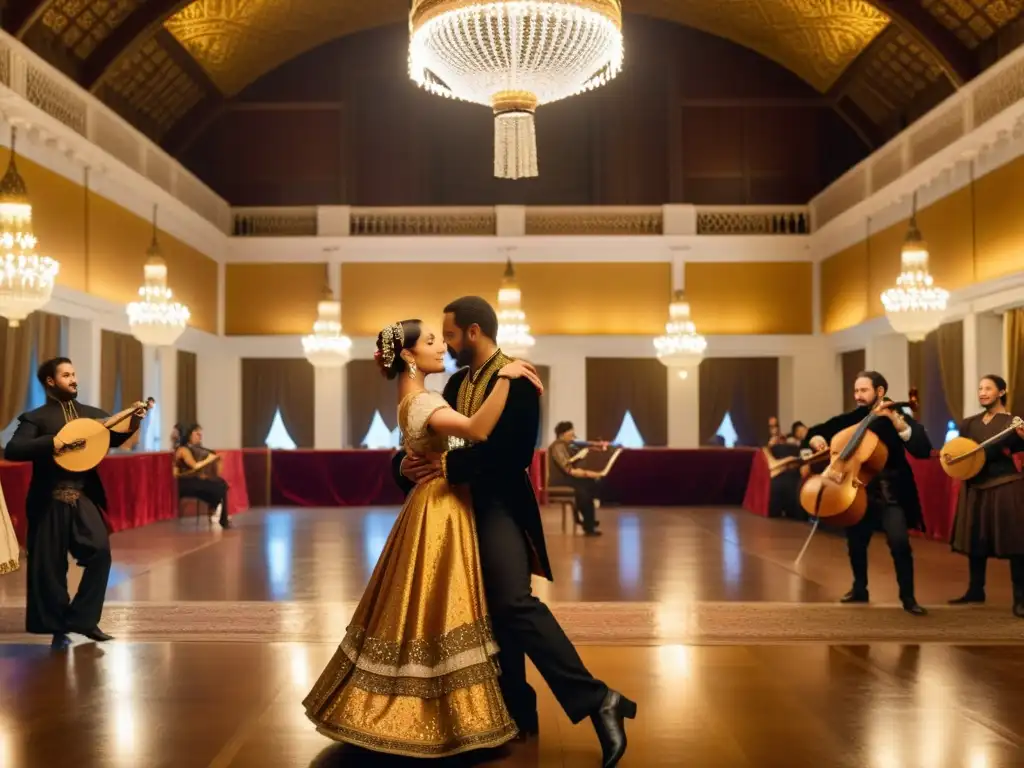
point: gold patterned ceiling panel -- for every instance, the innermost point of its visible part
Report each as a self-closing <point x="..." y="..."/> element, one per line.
<point x="974" y="21"/>
<point x="81" y="25"/>
<point x="152" y="85"/>
<point x="237" y="41"/>
<point x="816" y="39"/>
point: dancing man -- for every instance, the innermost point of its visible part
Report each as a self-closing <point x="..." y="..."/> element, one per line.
<point x="64" y="511"/>
<point x="511" y="537"/>
<point x="893" y="503"/>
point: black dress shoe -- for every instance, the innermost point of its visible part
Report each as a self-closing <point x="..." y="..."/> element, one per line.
<point x="611" y="730"/>
<point x="592" y="533"/>
<point x="95" y="633"/>
<point x="855" y="596"/>
<point x="968" y="597"/>
<point x="60" y="642"/>
<point x="914" y="609"/>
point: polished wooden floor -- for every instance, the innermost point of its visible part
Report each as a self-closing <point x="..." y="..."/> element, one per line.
<point x="736" y="656"/>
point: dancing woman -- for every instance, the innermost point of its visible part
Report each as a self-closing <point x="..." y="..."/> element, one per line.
<point x="990" y="511"/>
<point x="416" y="673"/>
<point x="9" y="550"/>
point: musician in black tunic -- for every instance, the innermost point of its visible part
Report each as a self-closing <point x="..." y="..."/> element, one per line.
<point x="893" y="503"/>
<point x="990" y="509"/>
<point x="64" y="511"/>
<point x="511" y="537"/>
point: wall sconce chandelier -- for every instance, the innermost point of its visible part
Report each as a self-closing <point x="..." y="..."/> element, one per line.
<point x="156" y="319"/>
<point x="327" y="346"/>
<point x="915" y="306"/>
<point x="26" y="278"/>
<point x="513" y="332"/>
<point x="681" y="348"/>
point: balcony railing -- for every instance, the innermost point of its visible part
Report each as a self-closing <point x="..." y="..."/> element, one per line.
<point x="516" y="221"/>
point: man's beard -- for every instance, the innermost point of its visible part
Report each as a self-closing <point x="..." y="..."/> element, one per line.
<point x="463" y="357"/>
<point x="67" y="394"/>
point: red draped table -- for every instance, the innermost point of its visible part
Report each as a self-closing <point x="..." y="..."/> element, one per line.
<point x="140" y="489"/>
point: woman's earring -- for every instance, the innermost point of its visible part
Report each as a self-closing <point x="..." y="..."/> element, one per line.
<point x="412" y="370"/>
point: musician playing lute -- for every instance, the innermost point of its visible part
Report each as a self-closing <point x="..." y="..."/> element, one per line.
<point x="990" y="509"/>
<point x="65" y="511"/>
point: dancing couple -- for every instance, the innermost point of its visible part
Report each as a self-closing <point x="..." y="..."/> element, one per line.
<point x="434" y="660"/>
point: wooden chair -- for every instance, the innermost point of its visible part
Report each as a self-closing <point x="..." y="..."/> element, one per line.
<point x="563" y="495"/>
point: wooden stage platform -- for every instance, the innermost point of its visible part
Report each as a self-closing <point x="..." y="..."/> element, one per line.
<point x="736" y="657"/>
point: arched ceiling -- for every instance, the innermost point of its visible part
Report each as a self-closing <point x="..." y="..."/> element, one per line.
<point x="155" y="61"/>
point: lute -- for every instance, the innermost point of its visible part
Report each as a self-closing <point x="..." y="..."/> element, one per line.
<point x="87" y="441"/>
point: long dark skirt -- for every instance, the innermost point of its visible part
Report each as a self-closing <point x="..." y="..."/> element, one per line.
<point x="990" y="521"/>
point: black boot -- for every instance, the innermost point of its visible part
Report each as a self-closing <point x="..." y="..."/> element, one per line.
<point x="856" y="595"/>
<point x="976" y="586"/>
<point x="610" y="726"/>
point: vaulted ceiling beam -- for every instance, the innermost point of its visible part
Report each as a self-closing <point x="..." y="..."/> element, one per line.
<point x="135" y="30"/>
<point x="956" y="60"/>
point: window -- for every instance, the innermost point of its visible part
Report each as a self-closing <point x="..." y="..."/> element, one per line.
<point x="951" y="430"/>
<point x="278" y="438"/>
<point x="727" y="431"/>
<point x="629" y="436"/>
<point x="379" y="437"/>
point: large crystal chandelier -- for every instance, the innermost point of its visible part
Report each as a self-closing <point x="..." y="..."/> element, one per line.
<point x="327" y="346"/>
<point x="915" y="307"/>
<point x="512" y="56"/>
<point x="681" y="348"/>
<point x="513" y="332"/>
<point x="156" y="319"/>
<point x="26" y="278"/>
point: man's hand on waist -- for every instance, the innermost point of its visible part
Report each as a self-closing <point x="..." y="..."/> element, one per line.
<point x="417" y="468"/>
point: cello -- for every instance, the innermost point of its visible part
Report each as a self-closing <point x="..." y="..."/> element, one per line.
<point x="838" y="494"/>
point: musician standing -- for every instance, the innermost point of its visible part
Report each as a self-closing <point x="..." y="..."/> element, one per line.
<point x="990" y="510"/>
<point x="64" y="511"/>
<point x="893" y="503"/>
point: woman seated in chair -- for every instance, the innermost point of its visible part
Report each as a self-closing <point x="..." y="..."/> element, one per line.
<point x="197" y="470"/>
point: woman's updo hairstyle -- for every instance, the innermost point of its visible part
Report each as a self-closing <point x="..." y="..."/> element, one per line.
<point x="1000" y="383"/>
<point x="390" y="343"/>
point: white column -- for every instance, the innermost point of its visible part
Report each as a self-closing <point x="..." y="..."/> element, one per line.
<point x="568" y="384"/>
<point x="219" y="398"/>
<point x="683" y="408"/>
<point x="85" y="351"/>
<point x="887" y="354"/>
<point x="971" y="365"/>
<point x="329" y="407"/>
<point x="991" y="351"/>
<point x="160" y="381"/>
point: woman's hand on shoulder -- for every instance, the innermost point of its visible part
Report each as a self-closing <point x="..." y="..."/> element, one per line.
<point x="520" y="369"/>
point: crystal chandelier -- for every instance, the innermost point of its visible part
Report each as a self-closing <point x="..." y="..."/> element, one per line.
<point x="915" y="307"/>
<point x="512" y="56"/>
<point x="513" y="333"/>
<point x="156" y="319"/>
<point x="681" y="348"/>
<point x="26" y="278"/>
<point x="327" y="346"/>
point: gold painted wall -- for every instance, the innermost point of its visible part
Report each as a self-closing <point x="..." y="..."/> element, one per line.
<point x="273" y="299"/>
<point x="852" y="282"/>
<point x="751" y="297"/>
<point x="562" y="298"/>
<point x="117" y="245"/>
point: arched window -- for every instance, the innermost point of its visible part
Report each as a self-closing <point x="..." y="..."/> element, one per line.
<point x="278" y="438"/>
<point x="629" y="436"/>
<point x="727" y="432"/>
<point x="379" y="437"/>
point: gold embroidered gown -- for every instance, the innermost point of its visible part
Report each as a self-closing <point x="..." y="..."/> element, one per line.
<point x="416" y="674"/>
<point x="8" y="541"/>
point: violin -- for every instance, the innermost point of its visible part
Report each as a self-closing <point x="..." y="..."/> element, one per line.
<point x="87" y="441"/>
<point x="838" y="494"/>
<point x="962" y="458"/>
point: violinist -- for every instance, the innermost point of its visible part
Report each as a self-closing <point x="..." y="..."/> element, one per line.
<point x="583" y="481"/>
<point x="893" y="503"/>
<point x="196" y="468"/>
<point x="990" y="510"/>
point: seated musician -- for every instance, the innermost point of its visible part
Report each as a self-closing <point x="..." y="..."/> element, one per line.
<point x="196" y="468"/>
<point x="563" y="473"/>
<point x="893" y="503"/>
